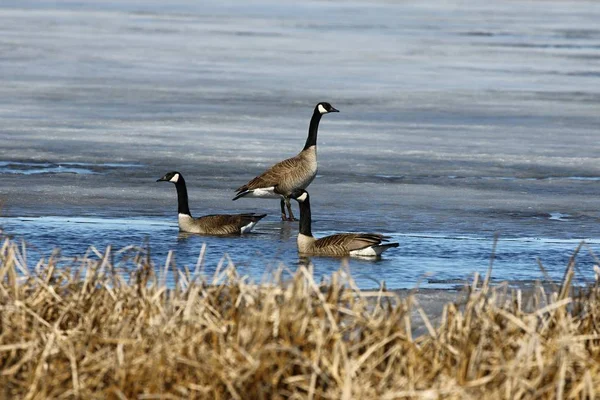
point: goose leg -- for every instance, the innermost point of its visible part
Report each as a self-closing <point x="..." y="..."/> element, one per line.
<point x="289" y="208"/>
<point x="283" y="216"/>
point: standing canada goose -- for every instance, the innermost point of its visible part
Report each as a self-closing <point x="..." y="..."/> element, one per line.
<point x="280" y="180"/>
<point x="340" y="244"/>
<point x="220" y="224"/>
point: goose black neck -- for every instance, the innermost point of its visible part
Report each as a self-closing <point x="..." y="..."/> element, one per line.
<point x="311" y="140"/>
<point x="305" y="217"/>
<point x="182" y="197"/>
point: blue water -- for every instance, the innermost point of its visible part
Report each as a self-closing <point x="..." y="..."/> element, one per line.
<point x="426" y="261"/>
<point x="458" y="121"/>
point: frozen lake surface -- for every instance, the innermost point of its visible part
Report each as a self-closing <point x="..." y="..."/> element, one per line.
<point x="458" y="121"/>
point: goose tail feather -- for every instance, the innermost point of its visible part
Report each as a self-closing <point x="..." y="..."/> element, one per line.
<point x="241" y="194"/>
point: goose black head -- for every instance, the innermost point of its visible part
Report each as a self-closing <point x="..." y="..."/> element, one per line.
<point x="172" y="176"/>
<point x="325" y="108"/>
<point x="300" y="195"/>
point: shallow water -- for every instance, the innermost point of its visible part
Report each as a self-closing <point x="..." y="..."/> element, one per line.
<point x="432" y="261"/>
<point x="458" y="121"/>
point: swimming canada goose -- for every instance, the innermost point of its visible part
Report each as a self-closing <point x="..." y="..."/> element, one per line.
<point x="220" y="224"/>
<point x="280" y="180"/>
<point x="340" y="244"/>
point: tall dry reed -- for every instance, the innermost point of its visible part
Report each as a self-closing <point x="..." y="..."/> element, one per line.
<point x="90" y="332"/>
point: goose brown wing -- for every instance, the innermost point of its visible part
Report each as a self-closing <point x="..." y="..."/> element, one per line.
<point x="273" y="175"/>
<point x="247" y="218"/>
<point x="349" y="241"/>
<point x="226" y="224"/>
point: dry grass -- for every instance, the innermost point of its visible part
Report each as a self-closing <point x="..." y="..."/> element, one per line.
<point x="87" y="332"/>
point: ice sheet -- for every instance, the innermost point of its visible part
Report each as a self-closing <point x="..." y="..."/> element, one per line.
<point x="457" y="119"/>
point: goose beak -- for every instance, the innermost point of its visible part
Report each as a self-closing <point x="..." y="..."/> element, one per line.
<point x="161" y="179"/>
<point x="334" y="110"/>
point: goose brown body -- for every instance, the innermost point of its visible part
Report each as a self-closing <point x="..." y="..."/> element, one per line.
<point x="218" y="224"/>
<point x="341" y="244"/>
<point x="294" y="173"/>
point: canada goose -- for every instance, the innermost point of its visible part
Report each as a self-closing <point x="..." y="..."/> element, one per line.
<point x="280" y="180"/>
<point x="220" y="224"/>
<point x="340" y="244"/>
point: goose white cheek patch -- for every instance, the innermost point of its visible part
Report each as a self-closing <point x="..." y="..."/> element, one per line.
<point x="175" y="178"/>
<point x="322" y="109"/>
